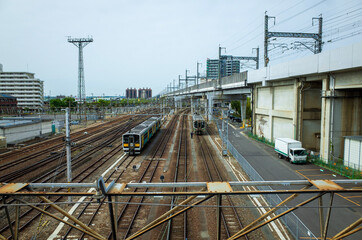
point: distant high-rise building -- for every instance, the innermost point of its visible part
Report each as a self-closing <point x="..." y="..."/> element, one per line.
<point x="28" y="90"/>
<point x="227" y="68"/>
<point x="144" y="93"/>
<point x="131" y="93"/>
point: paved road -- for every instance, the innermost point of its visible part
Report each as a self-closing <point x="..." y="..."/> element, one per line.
<point x="270" y="167"/>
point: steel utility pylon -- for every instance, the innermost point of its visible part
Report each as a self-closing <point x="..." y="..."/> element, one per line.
<point x="80" y="43"/>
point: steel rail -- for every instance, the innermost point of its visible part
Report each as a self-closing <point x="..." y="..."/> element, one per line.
<point x="117" y="131"/>
<point x="75" y="136"/>
<point x="28" y="169"/>
<point x="220" y="178"/>
<point x="103" y="199"/>
<point x="163" y="140"/>
<point x="183" y="136"/>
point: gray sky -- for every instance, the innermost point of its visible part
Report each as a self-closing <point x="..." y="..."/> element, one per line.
<point x="149" y="43"/>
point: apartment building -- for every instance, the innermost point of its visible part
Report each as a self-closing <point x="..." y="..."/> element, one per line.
<point x="28" y="90"/>
<point x="227" y="67"/>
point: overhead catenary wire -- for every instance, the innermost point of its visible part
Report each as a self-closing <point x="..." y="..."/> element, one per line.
<point x="349" y="11"/>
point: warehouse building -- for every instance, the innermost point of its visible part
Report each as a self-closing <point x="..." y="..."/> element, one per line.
<point x="20" y="129"/>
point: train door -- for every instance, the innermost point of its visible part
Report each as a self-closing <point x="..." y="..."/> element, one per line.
<point x="131" y="145"/>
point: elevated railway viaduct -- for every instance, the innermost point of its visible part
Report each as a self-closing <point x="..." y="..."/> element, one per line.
<point x="316" y="99"/>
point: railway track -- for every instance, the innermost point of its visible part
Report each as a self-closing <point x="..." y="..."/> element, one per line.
<point x="87" y="214"/>
<point x="21" y="171"/>
<point x="29" y="215"/>
<point x="128" y="215"/>
<point x="26" y="153"/>
<point x="231" y="222"/>
<point x="177" y="226"/>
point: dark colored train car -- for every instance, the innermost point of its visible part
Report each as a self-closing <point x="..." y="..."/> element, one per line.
<point x="198" y="124"/>
<point x="136" y="138"/>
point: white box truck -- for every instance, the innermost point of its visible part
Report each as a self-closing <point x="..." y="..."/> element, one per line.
<point x="290" y="149"/>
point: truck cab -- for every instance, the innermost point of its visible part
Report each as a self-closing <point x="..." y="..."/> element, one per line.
<point x="290" y="149"/>
<point x="297" y="155"/>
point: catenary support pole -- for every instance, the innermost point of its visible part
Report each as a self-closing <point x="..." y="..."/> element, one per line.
<point x="68" y="150"/>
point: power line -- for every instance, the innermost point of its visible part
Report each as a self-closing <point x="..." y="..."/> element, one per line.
<point x="303" y="11"/>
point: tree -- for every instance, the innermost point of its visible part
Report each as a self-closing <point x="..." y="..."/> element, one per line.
<point x="56" y="103"/>
<point x="235" y="105"/>
<point x="69" y="102"/>
<point x="248" y="108"/>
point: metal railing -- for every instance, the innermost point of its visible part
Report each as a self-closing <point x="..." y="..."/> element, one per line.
<point x="295" y="226"/>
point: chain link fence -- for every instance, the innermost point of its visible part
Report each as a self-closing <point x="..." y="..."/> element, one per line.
<point x="351" y="170"/>
<point x="295" y="226"/>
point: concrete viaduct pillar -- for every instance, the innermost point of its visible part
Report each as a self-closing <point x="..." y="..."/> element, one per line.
<point x="243" y="102"/>
<point x="210" y="103"/>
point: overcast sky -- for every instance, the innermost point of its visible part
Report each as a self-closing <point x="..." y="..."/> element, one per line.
<point x="149" y="43"/>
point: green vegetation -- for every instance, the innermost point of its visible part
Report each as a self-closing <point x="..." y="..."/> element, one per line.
<point x="58" y="104"/>
<point x="337" y="167"/>
<point x="235" y="105"/>
<point x="261" y="139"/>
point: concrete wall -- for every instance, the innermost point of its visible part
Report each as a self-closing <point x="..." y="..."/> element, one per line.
<point x="289" y="108"/>
<point x="263" y="126"/>
<point x="274" y="110"/>
<point x="26" y="132"/>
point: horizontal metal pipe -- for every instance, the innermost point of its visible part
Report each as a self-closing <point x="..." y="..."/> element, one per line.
<point x="189" y="184"/>
<point x="62" y="185"/>
<point x="128" y="193"/>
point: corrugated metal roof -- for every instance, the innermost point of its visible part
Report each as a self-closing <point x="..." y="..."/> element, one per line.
<point x="8" y="123"/>
<point x="17" y="121"/>
<point x="6" y="96"/>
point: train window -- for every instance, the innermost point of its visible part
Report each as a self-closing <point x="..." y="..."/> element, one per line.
<point x="195" y="124"/>
<point x="137" y="139"/>
<point x="125" y="139"/>
<point x="202" y="124"/>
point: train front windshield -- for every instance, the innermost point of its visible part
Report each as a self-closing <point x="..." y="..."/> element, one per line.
<point x="136" y="139"/>
<point x="131" y="139"/>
